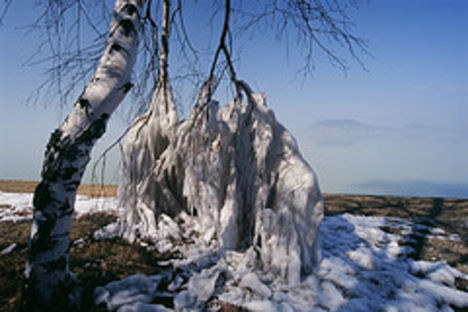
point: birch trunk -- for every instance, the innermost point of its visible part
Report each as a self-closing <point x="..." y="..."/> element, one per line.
<point x="49" y="283"/>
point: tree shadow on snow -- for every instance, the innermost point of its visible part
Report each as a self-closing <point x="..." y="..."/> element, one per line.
<point x="372" y="269"/>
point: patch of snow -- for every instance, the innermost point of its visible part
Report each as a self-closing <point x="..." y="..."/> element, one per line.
<point x="202" y="285"/>
<point x="79" y="243"/>
<point x="450" y="237"/>
<point x="8" y="249"/>
<point x="437" y="231"/>
<point x="107" y="232"/>
<point x="363" y="268"/>
<point x="251" y="282"/>
<point x="454" y="237"/>
<point x="86" y="205"/>
<point x="18" y="206"/>
<point x="436" y="271"/>
<point x="260" y="306"/>
<point x="132" y="290"/>
<point x="143" y="307"/>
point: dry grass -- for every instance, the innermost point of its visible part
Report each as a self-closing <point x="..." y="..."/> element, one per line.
<point x="91" y="190"/>
<point x="95" y="262"/>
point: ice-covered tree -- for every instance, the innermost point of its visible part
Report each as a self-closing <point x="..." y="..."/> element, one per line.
<point x="232" y="175"/>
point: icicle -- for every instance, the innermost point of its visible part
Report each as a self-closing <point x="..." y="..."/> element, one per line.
<point x="232" y="177"/>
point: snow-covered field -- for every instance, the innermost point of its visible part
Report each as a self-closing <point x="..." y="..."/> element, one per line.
<point x="365" y="267"/>
<point x="18" y="206"/>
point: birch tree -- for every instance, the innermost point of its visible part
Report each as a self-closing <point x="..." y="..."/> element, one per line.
<point x="49" y="282"/>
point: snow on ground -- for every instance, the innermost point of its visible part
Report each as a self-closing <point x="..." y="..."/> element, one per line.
<point x="18" y="206"/>
<point x="8" y="249"/>
<point x="363" y="268"/>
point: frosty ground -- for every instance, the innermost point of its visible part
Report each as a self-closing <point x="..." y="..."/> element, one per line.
<point x="390" y="254"/>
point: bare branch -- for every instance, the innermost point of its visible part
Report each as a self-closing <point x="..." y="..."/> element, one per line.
<point x="5" y="10"/>
<point x="165" y="33"/>
<point x="317" y="27"/>
<point x="222" y="47"/>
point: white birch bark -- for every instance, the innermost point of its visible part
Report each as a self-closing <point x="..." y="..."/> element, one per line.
<point x="49" y="283"/>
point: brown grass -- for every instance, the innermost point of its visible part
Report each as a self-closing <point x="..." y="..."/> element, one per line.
<point x="95" y="262"/>
<point x="91" y="190"/>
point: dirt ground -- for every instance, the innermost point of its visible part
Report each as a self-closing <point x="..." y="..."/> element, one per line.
<point x="99" y="262"/>
<point x="95" y="263"/>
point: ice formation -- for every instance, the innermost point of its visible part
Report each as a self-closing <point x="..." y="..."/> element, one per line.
<point x="229" y="177"/>
<point x="363" y="268"/>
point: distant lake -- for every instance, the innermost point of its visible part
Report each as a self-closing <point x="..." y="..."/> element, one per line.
<point x="354" y="158"/>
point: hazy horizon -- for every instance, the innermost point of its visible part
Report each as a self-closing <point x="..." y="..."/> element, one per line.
<point x="394" y="161"/>
<point x="351" y="157"/>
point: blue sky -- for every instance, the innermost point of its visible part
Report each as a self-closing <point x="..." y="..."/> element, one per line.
<point x="418" y="74"/>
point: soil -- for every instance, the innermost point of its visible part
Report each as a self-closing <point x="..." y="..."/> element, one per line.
<point x="99" y="262"/>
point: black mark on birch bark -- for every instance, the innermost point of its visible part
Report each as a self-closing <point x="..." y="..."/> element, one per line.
<point x="126" y="87"/>
<point x="130" y="9"/>
<point x="84" y="104"/>
<point x="115" y="47"/>
<point x="127" y="27"/>
<point x="42" y="196"/>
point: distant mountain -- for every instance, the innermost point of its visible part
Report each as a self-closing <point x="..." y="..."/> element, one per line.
<point x="349" y="126"/>
<point x="351" y="131"/>
<point x="340" y="123"/>
<point x="340" y="131"/>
